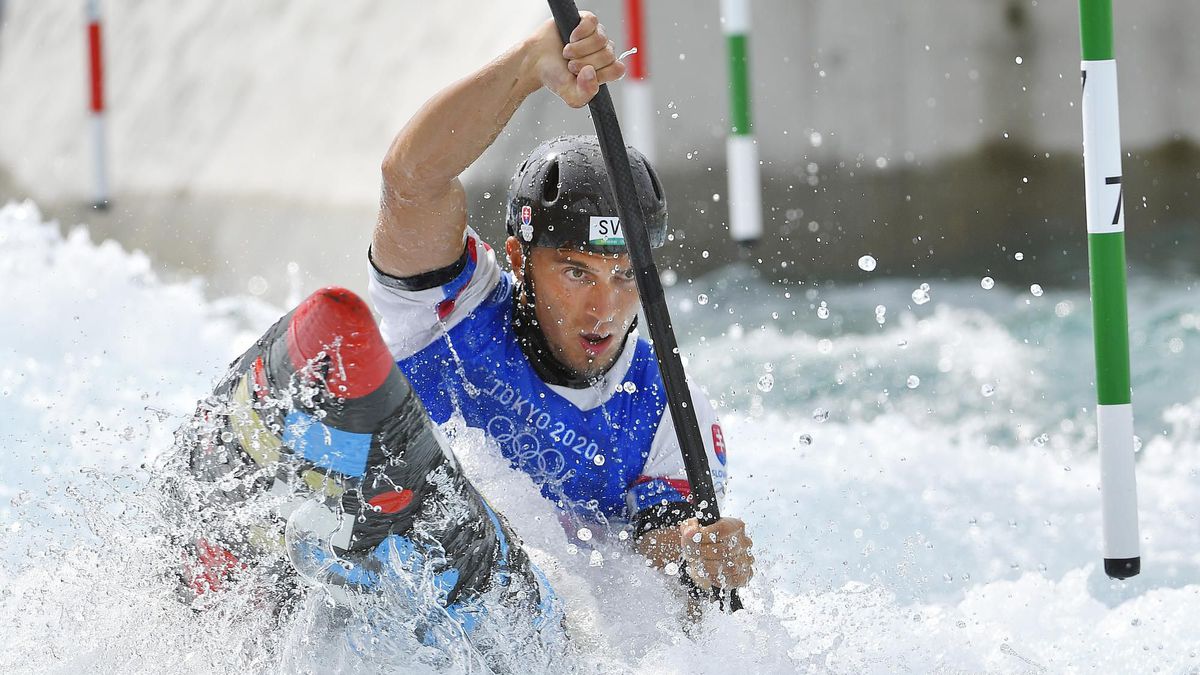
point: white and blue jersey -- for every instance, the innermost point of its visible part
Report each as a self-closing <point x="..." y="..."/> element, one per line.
<point x="606" y="453"/>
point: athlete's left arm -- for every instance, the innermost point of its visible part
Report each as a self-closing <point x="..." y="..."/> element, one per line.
<point x="666" y="531"/>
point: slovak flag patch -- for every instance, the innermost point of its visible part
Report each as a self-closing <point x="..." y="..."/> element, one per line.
<point x="719" y="442"/>
<point x="527" y="223"/>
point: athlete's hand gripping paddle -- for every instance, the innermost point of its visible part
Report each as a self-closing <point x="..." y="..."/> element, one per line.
<point x="654" y="305"/>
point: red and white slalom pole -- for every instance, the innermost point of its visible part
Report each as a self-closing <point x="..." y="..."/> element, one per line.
<point x="636" y="92"/>
<point x="96" y="69"/>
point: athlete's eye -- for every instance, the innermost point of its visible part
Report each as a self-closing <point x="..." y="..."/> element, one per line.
<point x="576" y="274"/>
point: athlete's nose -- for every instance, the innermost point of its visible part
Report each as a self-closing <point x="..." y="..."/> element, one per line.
<point x="602" y="300"/>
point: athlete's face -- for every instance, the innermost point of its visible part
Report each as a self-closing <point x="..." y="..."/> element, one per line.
<point x="585" y="303"/>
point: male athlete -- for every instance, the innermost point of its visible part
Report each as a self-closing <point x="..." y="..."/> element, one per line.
<point x="544" y="358"/>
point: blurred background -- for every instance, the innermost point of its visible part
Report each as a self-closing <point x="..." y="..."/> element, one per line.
<point x="244" y="139"/>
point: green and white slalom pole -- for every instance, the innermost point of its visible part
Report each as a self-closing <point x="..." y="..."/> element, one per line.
<point x="1106" y="255"/>
<point x="741" y="152"/>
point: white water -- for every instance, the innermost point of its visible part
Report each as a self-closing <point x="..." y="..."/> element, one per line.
<point x="923" y="529"/>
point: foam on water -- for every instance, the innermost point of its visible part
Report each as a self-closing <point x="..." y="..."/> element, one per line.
<point x="922" y="529"/>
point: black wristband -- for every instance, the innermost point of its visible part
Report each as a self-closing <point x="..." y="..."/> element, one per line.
<point x="660" y="516"/>
<point x="425" y="280"/>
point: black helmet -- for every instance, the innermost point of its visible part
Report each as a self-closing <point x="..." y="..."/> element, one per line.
<point x="561" y="197"/>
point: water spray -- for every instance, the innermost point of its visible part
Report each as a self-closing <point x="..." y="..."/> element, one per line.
<point x="1106" y="254"/>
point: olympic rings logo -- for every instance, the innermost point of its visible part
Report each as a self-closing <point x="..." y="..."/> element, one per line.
<point x="525" y="448"/>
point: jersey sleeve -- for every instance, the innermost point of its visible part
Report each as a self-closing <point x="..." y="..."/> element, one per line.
<point x="414" y="311"/>
<point x="660" y="495"/>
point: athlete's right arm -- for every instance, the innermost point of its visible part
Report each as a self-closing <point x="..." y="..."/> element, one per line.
<point x="423" y="208"/>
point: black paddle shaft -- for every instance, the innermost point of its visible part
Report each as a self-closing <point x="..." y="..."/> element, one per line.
<point x="654" y="304"/>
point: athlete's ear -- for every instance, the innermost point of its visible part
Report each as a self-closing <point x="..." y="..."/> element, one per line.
<point x="516" y="257"/>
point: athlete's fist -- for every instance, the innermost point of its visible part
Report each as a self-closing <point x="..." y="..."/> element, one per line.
<point x="574" y="72"/>
<point x="719" y="554"/>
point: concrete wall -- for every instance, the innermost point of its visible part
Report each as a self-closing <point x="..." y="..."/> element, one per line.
<point x="241" y="131"/>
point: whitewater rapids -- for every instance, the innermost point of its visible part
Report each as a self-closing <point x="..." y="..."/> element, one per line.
<point x="920" y="481"/>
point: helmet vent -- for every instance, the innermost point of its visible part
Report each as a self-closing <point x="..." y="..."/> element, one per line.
<point x="658" y="191"/>
<point x="550" y="185"/>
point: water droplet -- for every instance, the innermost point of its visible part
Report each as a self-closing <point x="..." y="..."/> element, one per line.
<point x="226" y="436"/>
<point x="256" y="285"/>
<point x="820" y="414"/>
<point x="1137" y="443"/>
<point x="584" y="534"/>
<point x="1041" y="440"/>
<point x="487" y="195"/>
<point x="902" y="343"/>
<point x="21" y="498"/>
<point x="671" y="569"/>
<point x="704" y="254"/>
<point x="766" y="383"/>
<point x="987" y="283"/>
<point x="716" y="196"/>
<point x="1036" y="290"/>
<point x="913" y="382"/>
<point x="987" y="389"/>
<point x="598" y="460"/>
<point x="825" y="346"/>
<point x="823" y="311"/>
<point x="1018" y="256"/>
<point x="858" y="533"/>
<point x="629" y="387"/>
<point x="572" y="549"/>
<point x="1019" y="60"/>
<point x="921" y="295"/>
<point x="668" y="277"/>
<point x="803" y="439"/>
<point x="866" y="263"/>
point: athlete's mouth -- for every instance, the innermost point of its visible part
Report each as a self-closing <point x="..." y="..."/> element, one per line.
<point x="595" y="343"/>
